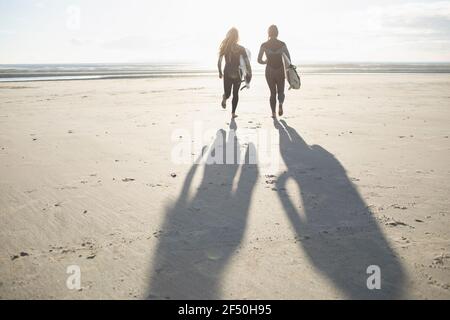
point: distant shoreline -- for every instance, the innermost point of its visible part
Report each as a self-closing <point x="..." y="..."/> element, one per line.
<point x="64" y="72"/>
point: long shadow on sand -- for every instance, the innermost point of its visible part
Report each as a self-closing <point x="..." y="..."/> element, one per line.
<point x="335" y="227"/>
<point x="201" y="232"/>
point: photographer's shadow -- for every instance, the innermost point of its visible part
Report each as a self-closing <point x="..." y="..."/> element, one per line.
<point x="335" y="228"/>
<point x="202" y="232"/>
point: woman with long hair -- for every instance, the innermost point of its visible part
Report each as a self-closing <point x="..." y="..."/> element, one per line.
<point x="232" y="52"/>
<point x="275" y="74"/>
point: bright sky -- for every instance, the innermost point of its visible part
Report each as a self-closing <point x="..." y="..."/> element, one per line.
<point x="69" y="31"/>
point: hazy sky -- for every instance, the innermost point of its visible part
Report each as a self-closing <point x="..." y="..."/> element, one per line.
<point x="46" y="31"/>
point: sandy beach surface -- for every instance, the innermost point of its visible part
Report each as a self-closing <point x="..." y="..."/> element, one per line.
<point x="359" y="177"/>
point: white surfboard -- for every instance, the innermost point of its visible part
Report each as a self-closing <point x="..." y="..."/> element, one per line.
<point x="243" y="68"/>
<point x="291" y="74"/>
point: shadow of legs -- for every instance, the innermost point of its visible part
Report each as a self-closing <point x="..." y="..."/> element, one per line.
<point x="202" y="232"/>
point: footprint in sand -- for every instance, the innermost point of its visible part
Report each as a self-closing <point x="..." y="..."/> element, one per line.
<point x="22" y="254"/>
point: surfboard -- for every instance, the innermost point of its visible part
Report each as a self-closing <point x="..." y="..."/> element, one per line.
<point x="291" y="74"/>
<point x="243" y="69"/>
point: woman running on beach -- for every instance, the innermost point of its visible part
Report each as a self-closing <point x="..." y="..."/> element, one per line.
<point x="232" y="74"/>
<point x="275" y="75"/>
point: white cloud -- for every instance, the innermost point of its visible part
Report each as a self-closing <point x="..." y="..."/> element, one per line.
<point x="412" y="19"/>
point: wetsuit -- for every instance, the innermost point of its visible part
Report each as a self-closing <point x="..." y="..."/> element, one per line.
<point x="232" y="75"/>
<point x="275" y="74"/>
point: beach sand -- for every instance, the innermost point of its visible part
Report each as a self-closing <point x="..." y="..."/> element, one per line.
<point x="362" y="179"/>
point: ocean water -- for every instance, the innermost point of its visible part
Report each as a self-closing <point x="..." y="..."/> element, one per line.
<point x="45" y="72"/>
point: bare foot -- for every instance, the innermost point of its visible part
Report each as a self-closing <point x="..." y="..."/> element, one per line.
<point x="281" y="112"/>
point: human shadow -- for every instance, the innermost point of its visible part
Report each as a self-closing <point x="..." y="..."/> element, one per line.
<point x="334" y="226"/>
<point x="201" y="232"/>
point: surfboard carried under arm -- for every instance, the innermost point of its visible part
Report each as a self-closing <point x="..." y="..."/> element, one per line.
<point x="245" y="73"/>
<point x="291" y="73"/>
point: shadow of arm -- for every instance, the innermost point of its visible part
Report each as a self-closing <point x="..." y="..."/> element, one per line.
<point x="293" y="214"/>
<point x="189" y="177"/>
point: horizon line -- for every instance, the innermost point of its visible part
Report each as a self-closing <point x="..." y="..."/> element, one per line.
<point x="193" y="63"/>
